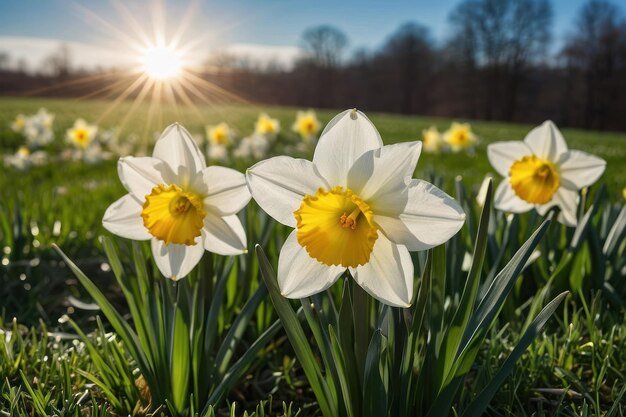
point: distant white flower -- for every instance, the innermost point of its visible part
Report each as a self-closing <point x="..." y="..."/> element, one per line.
<point x="178" y="203"/>
<point x="44" y="118"/>
<point x="254" y="146"/>
<point x="459" y="137"/>
<point x="217" y="152"/>
<point x="82" y="134"/>
<point x="356" y="208"/>
<point x="306" y="125"/>
<point x="24" y="159"/>
<point x="541" y="172"/>
<point x="19" y="123"/>
<point x="433" y="142"/>
<point x="220" y="134"/>
<point x="267" y="126"/>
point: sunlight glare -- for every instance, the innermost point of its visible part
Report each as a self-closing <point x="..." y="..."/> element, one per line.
<point x="161" y="62"/>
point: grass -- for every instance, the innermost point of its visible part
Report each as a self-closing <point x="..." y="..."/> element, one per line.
<point x="56" y="358"/>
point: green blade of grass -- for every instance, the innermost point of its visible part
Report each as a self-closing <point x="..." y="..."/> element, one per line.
<point x="296" y="336"/>
<point x="480" y="403"/>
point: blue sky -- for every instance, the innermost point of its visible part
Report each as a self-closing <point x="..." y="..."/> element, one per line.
<point x="276" y="23"/>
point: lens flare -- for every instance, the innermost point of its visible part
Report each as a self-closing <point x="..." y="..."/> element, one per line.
<point x="162" y="62"/>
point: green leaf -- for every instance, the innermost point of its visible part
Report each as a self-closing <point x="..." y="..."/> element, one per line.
<point x="480" y="403"/>
<point x="296" y="336"/>
<point x="375" y="400"/>
<point x="180" y="359"/>
<point x="455" y="331"/>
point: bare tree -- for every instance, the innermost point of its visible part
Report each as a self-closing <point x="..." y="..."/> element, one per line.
<point x="405" y="62"/>
<point x="596" y="56"/>
<point x="325" y="45"/>
<point x="501" y="37"/>
<point x="58" y="64"/>
<point x="5" y="59"/>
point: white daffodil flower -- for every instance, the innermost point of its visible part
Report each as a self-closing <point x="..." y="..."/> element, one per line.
<point x="306" y="125"/>
<point x="82" y="134"/>
<point x="180" y="204"/>
<point x="541" y="172"/>
<point x="354" y="207"/>
<point x="459" y="137"/>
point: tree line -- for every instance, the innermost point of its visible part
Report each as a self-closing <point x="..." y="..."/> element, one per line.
<point x="501" y="62"/>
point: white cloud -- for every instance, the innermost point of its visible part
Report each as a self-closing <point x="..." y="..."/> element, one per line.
<point x="34" y="51"/>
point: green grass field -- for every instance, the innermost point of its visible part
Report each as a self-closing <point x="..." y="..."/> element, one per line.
<point x="576" y="366"/>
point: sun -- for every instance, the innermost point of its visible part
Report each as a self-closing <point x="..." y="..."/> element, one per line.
<point x="162" y="62"/>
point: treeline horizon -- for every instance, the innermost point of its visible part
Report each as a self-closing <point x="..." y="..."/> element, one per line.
<point x="498" y="64"/>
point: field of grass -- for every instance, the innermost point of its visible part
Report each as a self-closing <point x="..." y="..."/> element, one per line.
<point x="57" y="358"/>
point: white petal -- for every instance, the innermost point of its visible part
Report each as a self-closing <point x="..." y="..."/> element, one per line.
<point x="176" y="261"/>
<point x="123" y="218"/>
<point x="430" y="218"/>
<point x="567" y="201"/>
<point x="278" y="185"/>
<point x="223" y="235"/>
<point x="140" y="175"/>
<point x="579" y="169"/>
<point x="388" y="276"/>
<point x="227" y="190"/>
<point x="178" y="149"/>
<point x="301" y="276"/>
<point x="546" y="141"/>
<point x="505" y="199"/>
<point x="349" y="135"/>
<point x="502" y="154"/>
<point x="379" y="176"/>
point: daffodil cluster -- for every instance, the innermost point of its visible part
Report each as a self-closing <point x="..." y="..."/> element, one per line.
<point x="37" y="131"/>
<point x="458" y="138"/>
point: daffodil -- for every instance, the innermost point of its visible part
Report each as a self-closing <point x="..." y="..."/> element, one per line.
<point x="432" y="141"/>
<point x="44" y="118"/>
<point x="460" y="137"/>
<point x="355" y="208"/>
<point x="217" y="152"/>
<point x="178" y="203"/>
<point x="19" y="123"/>
<point x="220" y="134"/>
<point x="267" y="126"/>
<point x="541" y="172"/>
<point x="24" y="159"/>
<point x="254" y="146"/>
<point x="306" y="125"/>
<point x="82" y="134"/>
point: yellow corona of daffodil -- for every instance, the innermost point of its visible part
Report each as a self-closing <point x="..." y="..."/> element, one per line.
<point x="541" y="172"/>
<point x="459" y="137"/>
<point x="219" y="134"/>
<point x="81" y="134"/>
<point x="266" y="126"/>
<point x="354" y="208"/>
<point x="306" y="125"/>
<point x="19" y="123"/>
<point x="180" y="204"/>
<point x="433" y="143"/>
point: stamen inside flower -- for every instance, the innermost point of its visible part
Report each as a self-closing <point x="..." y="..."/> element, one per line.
<point x="534" y="180"/>
<point x="336" y="227"/>
<point x="81" y="137"/>
<point x="173" y="215"/>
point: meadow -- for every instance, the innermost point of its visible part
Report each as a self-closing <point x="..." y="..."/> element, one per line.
<point x="73" y="329"/>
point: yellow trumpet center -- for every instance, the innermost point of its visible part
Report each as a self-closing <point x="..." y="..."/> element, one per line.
<point x="173" y="215"/>
<point x="81" y="137"/>
<point x="534" y="180"/>
<point x="336" y="227"/>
